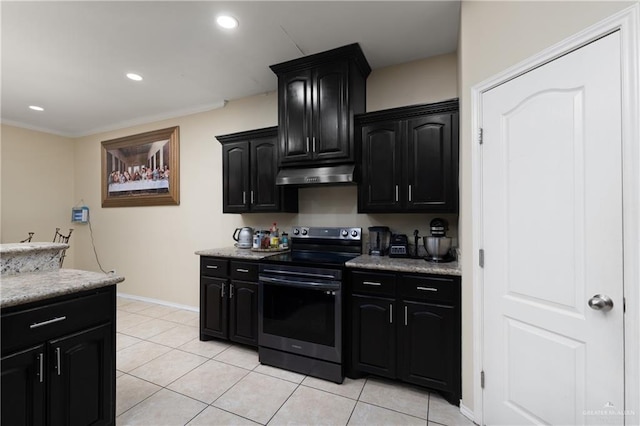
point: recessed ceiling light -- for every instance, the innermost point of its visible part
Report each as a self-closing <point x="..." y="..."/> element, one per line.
<point x="36" y="108"/>
<point x="134" y="77"/>
<point x="226" y="21"/>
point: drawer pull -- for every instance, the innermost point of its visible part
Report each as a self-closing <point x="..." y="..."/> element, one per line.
<point x="405" y="315"/>
<point x="370" y="283"/>
<point x="51" y="321"/>
<point x="212" y="267"/>
<point x="390" y="314"/>
<point x="243" y="270"/>
<point x="427" y="288"/>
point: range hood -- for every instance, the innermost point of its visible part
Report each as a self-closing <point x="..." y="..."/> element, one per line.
<point x="308" y="176"/>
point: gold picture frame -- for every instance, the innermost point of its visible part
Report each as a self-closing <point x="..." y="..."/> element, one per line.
<point x="142" y="170"/>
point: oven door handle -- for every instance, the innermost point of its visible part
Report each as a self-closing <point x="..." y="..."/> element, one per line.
<point x="300" y="284"/>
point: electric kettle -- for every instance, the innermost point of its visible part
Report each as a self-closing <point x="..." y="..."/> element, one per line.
<point x="244" y="237"/>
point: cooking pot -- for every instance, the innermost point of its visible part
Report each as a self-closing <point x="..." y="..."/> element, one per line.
<point x="437" y="247"/>
<point x="244" y="237"/>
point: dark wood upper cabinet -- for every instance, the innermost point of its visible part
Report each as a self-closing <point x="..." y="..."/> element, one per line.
<point x="249" y="169"/>
<point x="317" y="98"/>
<point x="409" y="159"/>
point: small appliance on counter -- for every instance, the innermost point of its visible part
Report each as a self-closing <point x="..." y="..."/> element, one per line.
<point x="399" y="246"/>
<point x="243" y="237"/>
<point x="379" y="239"/>
<point x="438" y="245"/>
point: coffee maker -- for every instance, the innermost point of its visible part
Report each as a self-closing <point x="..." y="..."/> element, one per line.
<point x="379" y="240"/>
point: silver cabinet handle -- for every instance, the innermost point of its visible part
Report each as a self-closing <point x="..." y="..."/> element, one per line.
<point x="242" y="270"/>
<point x="212" y="267"/>
<point x="601" y="302"/>
<point x="230" y="291"/>
<point x="396" y="193"/>
<point x="314" y="144"/>
<point x="427" y="288"/>
<point x="51" y="321"/>
<point x="405" y="315"/>
<point x="252" y="197"/>
<point x="409" y="192"/>
<point x="244" y="197"/>
<point x="222" y="291"/>
<point x="371" y="283"/>
<point x="307" y="143"/>
<point x="390" y="314"/>
<point x="58" y="361"/>
<point x="41" y="367"/>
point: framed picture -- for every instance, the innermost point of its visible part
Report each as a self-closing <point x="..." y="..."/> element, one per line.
<point x="142" y="170"/>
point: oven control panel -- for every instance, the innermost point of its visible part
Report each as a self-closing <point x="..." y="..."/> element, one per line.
<point x="354" y="234"/>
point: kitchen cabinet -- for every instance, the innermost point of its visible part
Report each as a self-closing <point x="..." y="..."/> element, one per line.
<point x="229" y="300"/>
<point x="407" y="327"/>
<point x="58" y="361"/>
<point x="409" y="159"/>
<point x="249" y="169"/>
<point x="317" y="98"/>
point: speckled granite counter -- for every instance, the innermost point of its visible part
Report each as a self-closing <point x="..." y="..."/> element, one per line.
<point x="421" y="266"/>
<point x="234" y="252"/>
<point x="25" y="288"/>
<point x="20" y="258"/>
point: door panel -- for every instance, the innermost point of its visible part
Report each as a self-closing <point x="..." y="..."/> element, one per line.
<point x="235" y="165"/>
<point x="23" y="388"/>
<point x="214" y="316"/>
<point x="296" y="115"/>
<point x="374" y="336"/>
<point x="552" y="235"/>
<point x="264" y="168"/>
<point x="330" y="118"/>
<point x="243" y="326"/>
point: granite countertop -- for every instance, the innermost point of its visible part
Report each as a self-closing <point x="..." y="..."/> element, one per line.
<point x="32" y="287"/>
<point x="236" y="253"/>
<point x="22" y="248"/>
<point x="386" y="263"/>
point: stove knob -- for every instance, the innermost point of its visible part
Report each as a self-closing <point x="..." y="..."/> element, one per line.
<point x="354" y="233"/>
<point x="345" y="233"/>
<point x="305" y="232"/>
<point x="296" y="231"/>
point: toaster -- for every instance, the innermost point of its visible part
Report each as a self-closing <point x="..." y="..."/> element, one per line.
<point x="399" y="246"/>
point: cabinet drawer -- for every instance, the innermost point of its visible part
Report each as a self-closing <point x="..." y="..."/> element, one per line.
<point x="444" y="289"/>
<point x="214" y="266"/>
<point x="36" y="325"/>
<point x="373" y="283"/>
<point x="244" y="271"/>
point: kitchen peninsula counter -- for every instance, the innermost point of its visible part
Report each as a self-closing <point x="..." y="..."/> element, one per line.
<point x="33" y="287"/>
<point x="399" y="264"/>
<point x="237" y="253"/>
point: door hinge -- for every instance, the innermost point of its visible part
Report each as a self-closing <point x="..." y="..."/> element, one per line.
<point x="481" y="258"/>
<point x="480" y="136"/>
<point x="482" y="379"/>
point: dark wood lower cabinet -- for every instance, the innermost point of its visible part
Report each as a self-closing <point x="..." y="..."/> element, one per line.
<point x="58" y="361"/>
<point x="407" y="327"/>
<point x="229" y="300"/>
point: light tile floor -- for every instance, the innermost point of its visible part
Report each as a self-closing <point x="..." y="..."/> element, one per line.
<point x="167" y="376"/>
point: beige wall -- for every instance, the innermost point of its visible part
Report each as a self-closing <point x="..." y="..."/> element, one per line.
<point x="37" y="186"/>
<point x="495" y="36"/>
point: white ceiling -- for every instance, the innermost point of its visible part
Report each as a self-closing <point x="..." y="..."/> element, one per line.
<point x="71" y="57"/>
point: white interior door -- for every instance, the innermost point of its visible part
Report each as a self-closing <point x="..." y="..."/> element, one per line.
<point x="552" y="239"/>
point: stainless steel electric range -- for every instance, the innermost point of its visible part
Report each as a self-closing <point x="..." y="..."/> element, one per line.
<point x="300" y="301"/>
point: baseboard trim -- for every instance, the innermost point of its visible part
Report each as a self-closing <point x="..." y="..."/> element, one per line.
<point x="158" y="301"/>
<point x="466" y="411"/>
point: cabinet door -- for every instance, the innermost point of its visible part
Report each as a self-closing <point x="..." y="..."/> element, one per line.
<point x="82" y="378"/>
<point x="264" y="168"/>
<point x="427" y="346"/>
<point x="243" y="318"/>
<point x="374" y="336"/>
<point x="331" y="118"/>
<point x="235" y="177"/>
<point x="295" y="116"/>
<point x="432" y="163"/>
<point x="23" y="387"/>
<point x="380" y="189"/>
<point x="213" y="307"/>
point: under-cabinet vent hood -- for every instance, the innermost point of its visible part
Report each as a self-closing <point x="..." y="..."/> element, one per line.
<point x="308" y="176"/>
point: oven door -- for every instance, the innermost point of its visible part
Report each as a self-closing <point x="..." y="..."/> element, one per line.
<point x="301" y="315"/>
